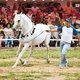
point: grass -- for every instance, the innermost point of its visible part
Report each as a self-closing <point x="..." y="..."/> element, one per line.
<point x="72" y="76"/>
<point x="38" y="69"/>
<point x="24" y="76"/>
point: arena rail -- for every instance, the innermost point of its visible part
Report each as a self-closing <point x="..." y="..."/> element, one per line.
<point x="50" y="39"/>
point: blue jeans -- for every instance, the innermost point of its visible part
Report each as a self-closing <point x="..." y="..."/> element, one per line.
<point x="8" y="43"/>
<point x="64" y="47"/>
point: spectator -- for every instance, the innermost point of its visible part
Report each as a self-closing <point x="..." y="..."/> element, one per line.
<point x="8" y="35"/>
<point x="30" y="14"/>
<point x="50" y="7"/>
<point x="56" y="17"/>
<point x="39" y="16"/>
<point x="60" y="10"/>
<point x="50" y="19"/>
<point x="34" y="8"/>
<point x="1" y="35"/>
<point x="15" y="7"/>
<point x="68" y="10"/>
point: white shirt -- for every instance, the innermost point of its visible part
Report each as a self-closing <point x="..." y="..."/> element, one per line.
<point x="67" y="34"/>
<point x="8" y="32"/>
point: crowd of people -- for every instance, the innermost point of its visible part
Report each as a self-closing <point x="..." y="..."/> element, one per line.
<point x="52" y="13"/>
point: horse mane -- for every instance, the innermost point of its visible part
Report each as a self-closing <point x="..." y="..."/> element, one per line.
<point x="25" y="17"/>
<point x="27" y="22"/>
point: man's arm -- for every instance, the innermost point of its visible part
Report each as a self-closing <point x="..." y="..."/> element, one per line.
<point x="78" y="30"/>
<point x="52" y="30"/>
<point x="55" y="30"/>
<point x="75" y="32"/>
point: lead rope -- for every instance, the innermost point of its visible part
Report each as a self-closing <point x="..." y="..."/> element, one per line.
<point x="34" y="37"/>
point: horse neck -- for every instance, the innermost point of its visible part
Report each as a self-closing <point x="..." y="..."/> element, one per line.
<point x="27" y="26"/>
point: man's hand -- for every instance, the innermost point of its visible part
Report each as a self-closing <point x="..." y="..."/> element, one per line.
<point x="47" y="30"/>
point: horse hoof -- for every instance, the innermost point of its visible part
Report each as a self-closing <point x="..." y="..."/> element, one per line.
<point x="48" y="61"/>
<point x="25" y="63"/>
<point x="13" y="66"/>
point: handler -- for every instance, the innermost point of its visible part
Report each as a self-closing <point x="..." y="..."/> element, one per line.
<point x="66" y="37"/>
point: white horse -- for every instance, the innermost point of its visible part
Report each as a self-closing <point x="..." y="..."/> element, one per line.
<point x="30" y="36"/>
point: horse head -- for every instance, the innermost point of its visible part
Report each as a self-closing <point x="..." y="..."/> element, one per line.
<point x="17" y="21"/>
<point x="22" y="21"/>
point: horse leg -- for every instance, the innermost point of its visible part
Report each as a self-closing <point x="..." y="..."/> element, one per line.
<point x="19" y="50"/>
<point x="47" y="46"/>
<point x="20" y="54"/>
<point x="57" y="37"/>
<point x="27" y="60"/>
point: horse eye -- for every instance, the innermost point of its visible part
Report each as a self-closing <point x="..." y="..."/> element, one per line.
<point x="18" y="21"/>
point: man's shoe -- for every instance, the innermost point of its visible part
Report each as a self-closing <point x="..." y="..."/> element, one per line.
<point x="62" y="66"/>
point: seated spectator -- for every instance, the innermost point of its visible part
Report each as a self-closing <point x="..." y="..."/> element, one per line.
<point x="30" y="14"/>
<point x="60" y="10"/>
<point x="50" y="19"/>
<point x="1" y="35"/>
<point x="39" y="16"/>
<point x="55" y="16"/>
<point x="8" y="35"/>
<point x="34" y="8"/>
<point x="69" y="10"/>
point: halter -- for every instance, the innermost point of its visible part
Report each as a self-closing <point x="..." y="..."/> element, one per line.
<point x="27" y="35"/>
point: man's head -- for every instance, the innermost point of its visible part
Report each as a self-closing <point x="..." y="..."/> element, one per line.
<point x="68" y="23"/>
